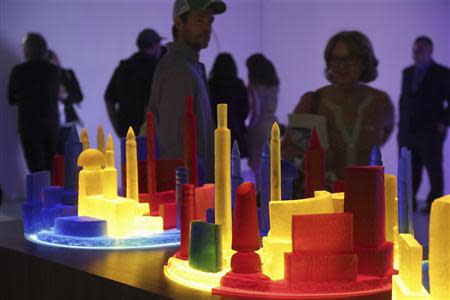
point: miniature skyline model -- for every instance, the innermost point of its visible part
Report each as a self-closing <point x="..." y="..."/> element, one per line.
<point x="99" y="218"/>
<point x="330" y="245"/>
<point x="326" y="246"/>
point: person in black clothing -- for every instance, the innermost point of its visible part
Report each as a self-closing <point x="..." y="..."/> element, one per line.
<point x="424" y="117"/>
<point x="226" y="87"/>
<point x="70" y="91"/>
<point x="69" y="95"/>
<point x="128" y="91"/>
<point x="33" y="87"/>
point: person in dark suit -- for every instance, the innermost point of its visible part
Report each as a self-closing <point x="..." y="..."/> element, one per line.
<point x="128" y="91"/>
<point x="34" y="87"/>
<point x="424" y="117"/>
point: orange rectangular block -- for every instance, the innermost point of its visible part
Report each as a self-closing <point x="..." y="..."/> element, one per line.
<point x="168" y="211"/>
<point x="301" y="267"/>
<point x="204" y="199"/>
<point x="323" y="233"/>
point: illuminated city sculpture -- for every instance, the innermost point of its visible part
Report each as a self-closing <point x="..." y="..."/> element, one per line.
<point x="313" y="246"/>
<point x="98" y="218"/>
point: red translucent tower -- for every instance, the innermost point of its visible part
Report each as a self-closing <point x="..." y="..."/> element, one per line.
<point x="364" y="198"/>
<point x="314" y="166"/>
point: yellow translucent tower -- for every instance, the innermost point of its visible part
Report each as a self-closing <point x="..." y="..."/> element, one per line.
<point x="408" y="284"/>
<point x="100" y="138"/>
<point x="439" y="253"/>
<point x="390" y="190"/>
<point x="109" y="172"/>
<point x="132" y="166"/>
<point x="222" y="175"/>
<point x="275" y="164"/>
<point x="84" y="139"/>
<point x="391" y="213"/>
<point x="279" y="239"/>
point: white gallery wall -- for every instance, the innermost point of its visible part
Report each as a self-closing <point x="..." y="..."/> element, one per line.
<point x="92" y="36"/>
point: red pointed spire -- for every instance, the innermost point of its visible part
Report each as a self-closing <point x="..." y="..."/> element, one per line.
<point x="314" y="141"/>
<point x="314" y="165"/>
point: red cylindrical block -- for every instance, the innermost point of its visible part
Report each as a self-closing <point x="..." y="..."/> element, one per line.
<point x="245" y="221"/>
<point x="186" y="216"/>
<point x="58" y="170"/>
<point x="246" y="263"/>
<point x="190" y="141"/>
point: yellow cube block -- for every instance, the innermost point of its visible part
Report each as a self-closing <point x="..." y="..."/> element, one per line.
<point x="338" y="202"/>
<point x="142" y="209"/>
<point x="439" y="254"/>
<point x="120" y="215"/>
<point x="273" y="256"/>
<point x="410" y="262"/>
<point x="281" y="212"/>
<point x="144" y="225"/>
<point x="401" y="292"/>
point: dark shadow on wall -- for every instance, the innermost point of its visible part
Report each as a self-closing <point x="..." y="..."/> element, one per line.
<point x="12" y="165"/>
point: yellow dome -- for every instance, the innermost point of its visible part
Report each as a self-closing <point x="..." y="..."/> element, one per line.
<point x="91" y="158"/>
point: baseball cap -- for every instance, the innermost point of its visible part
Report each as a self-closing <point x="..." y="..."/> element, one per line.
<point x="182" y="6"/>
<point x="147" y="38"/>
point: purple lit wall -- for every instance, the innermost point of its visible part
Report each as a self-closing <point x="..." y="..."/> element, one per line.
<point x="92" y="36"/>
<point x="295" y="34"/>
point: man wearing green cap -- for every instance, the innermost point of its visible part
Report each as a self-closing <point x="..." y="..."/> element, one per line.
<point x="180" y="74"/>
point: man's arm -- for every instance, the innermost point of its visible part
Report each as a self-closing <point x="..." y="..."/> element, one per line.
<point x="447" y="95"/>
<point x="15" y="92"/>
<point x="72" y="86"/>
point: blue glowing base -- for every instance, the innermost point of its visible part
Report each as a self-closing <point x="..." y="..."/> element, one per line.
<point x="168" y="238"/>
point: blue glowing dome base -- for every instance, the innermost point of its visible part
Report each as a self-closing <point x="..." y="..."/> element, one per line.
<point x="168" y="238"/>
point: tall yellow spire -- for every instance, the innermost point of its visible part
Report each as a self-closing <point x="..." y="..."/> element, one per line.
<point x="109" y="153"/>
<point x="109" y="172"/>
<point x="222" y="163"/>
<point x="275" y="164"/>
<point x="101" y="138"/>
<point x="84" y="139"/>
<point x="132" y="166"/>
